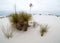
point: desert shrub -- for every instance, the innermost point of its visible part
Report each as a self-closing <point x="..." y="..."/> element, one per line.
<point x="43" y="29"/>
<point x="20" y="20"/>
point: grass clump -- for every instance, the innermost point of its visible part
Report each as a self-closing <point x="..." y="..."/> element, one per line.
<point x="43" y="29"/>
<point x="20" y="20"/>
<point x="8" y="33"/>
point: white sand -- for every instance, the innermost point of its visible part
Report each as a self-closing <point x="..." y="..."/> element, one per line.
<point x="33" y="35"/>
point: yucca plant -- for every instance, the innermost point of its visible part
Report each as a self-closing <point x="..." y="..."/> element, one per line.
<point x="21" y="20"/>
<point x="8" y="33"/>
<point x="43" y="29"/>
<point x="14" y="18"/>
<point x="30" y="5"/>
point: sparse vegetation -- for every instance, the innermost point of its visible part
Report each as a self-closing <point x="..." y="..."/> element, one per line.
<point x="8" y="33"/>
<point x="35" y="24"/>
<point x="43" y="29"/>
<point x="20" y="20"/>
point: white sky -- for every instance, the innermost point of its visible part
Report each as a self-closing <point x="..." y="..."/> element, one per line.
<point x="40" y="5"/>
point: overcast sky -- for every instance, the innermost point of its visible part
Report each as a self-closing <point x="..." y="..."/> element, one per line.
<point x="38" y="5"/>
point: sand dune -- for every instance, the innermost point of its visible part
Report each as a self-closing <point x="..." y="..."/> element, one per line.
<point x="33" y="35"/>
